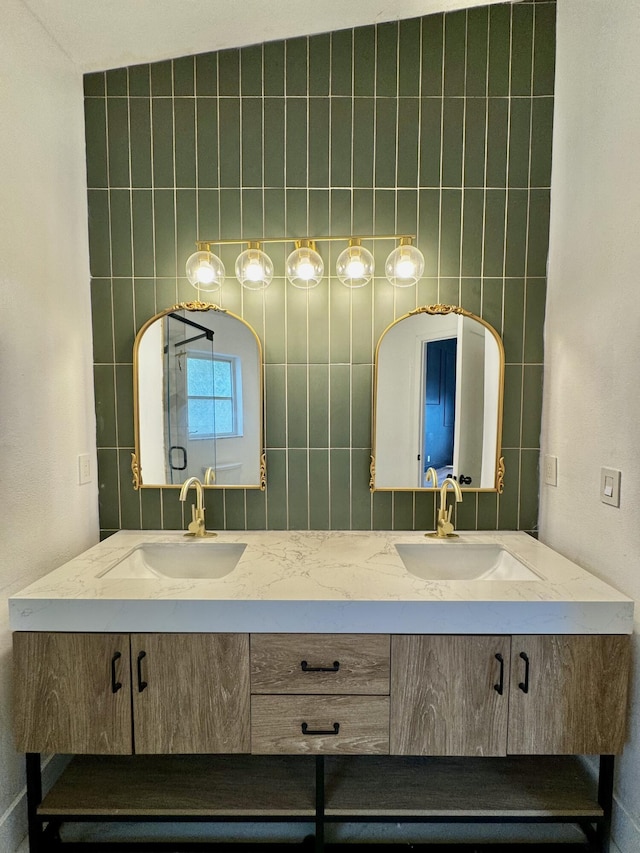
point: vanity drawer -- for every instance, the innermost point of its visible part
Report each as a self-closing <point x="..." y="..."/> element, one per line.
<point x="320" y="724"/>
<point x="320" y="663"/>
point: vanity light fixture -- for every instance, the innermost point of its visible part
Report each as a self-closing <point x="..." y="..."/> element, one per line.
<point x="355" y="266"/>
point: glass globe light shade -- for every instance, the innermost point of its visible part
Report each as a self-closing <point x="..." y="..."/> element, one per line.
<point x="254" y="269"/>
<point x="355" y="266"/>
<point x="404" y="266"/>
<point x="205" y="271"/>
<point x="305" y="267"/>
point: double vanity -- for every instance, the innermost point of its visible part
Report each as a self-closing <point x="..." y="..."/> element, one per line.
<point x="321" y="676"/>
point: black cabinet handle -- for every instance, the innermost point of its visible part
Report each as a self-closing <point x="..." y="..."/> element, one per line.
<point x="524" y="685"/>
<point x="307" y="731"/>
<point x="499" y="687"/>
<point x="141" y="684"/>
<point x="115" y="684"/>
<point x="304" y="666"/>
<point x="464" y="481"/>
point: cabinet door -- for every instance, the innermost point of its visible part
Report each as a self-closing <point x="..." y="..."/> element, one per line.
<point x="72" y="692"/>
<point x="568" y="694"/>
<point x="190" y="693"/>
<point x="449" y="695"/>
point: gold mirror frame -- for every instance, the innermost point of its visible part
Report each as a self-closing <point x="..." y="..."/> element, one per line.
<point x="440" y="309"/>
<point x="135" y="457"/>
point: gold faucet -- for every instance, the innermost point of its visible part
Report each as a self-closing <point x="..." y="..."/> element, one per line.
<point x="444" y="529"/>
<point x="209" y="476"/>
<point x="431" y="475"/>
<point x="196" y="525"/>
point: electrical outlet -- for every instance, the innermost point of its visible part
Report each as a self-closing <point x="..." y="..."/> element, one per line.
<point x="84" y="469"/>
<point x="551" y="470"/>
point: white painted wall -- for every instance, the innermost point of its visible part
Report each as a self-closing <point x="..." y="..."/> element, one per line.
<point x="46" y="386"/>
<point x="592" y="347"/>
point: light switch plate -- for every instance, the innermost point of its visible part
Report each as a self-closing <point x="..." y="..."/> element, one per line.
<point x="610" y="486"/>
<point x="84" y="469"/>
<point x="551" y="470"/>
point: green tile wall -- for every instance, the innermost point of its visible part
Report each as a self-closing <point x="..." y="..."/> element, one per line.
<point x="439" y="126"/>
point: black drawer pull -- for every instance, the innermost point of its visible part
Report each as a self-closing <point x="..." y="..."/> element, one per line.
<point x="304" y="666"/>
<point x="499" y="687"/>
<point x="115" y="684"/>
<point x="307" y="731"/>
<point x="524" y="685"/>
<point x="141" y="684"/>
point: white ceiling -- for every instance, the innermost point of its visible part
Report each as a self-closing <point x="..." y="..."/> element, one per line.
<point x="100" y="34"/>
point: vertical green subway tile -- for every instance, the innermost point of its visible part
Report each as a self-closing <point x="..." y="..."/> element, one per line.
<point x="385" y="163"/>
<point x="455" y="36"/>
<point x="319" y="500"/>
<point x="229" y="72"/>
<point x="318" y="405"/>
<point x="183" y="76"/>
<point x="519" y="141"/>
<point x="487" y="511"/>
<point x="296" y="66"/>
<point x="382" y="510"/>
<point x="95" y="123"/>
<point x="298" y="490"/>
<point x="105" y="400"/>
<point x="320" y="64"/>
<point x="475" y="130"/>
<point x="466" y="512"/>
<point x="363" y="211"/>
<point x="341" y="141"/>
<point x="185" y="142"/>
<point x="296" y="209"/>
<point x="340" y="490"/>
<point x="492" y="302"/>
<point x="541" y="138"/>
<point x="449" y="290"/>
<point x="497" y="135"/>
<point x="509" y="501"/>
<point x="499" y="52"/>
<point x="494" y="233"/>
<point x="116" y="81"/>
<point x="94" y="84"/>
<point x="473" y="211"/>
<point x="162" y="117"/>
<point x="340" y="405"/>
<point x="516" y="238"/>
<point x="214" y="508"/>
<point x="538" y="245"/>
<point x="101" y="315"/>
<point x="256" y="509"/>
<point x="234" y="511"/>
<point x="403" y="511"/>
<point x="166" y="293"/>
<point x="139" y="81"/>
<point x="319" y="320"/>
<point x="513" y="334"/>
<point x="405" y="299"/>
<point x="450" y="234"/>
<point x="521" y="48"/>
<point x="151" y="511"/>
<point x="477" y="37"/>
<point x="432" y="52"/>
<point x="251" y="142"/>
<point x="207" y="74"/>
<point x="275" y="331"/>
<point x="230" y="217"/>
<point x="144" y="300"/>
<point x="408" y="124"/>
<point x="165" y="223"/>
<point x="532" y="404"/>
<point x="172" y="510"/>
<point x="140" y="119"/>
<point x="274" y="68"/>
<point x="229" y="140"/>
<point x="409" y="58"/>
<point x="512" y="405"/>
<point x="452" y="142"/>
<point x="430" y="142"/>
<point x="251" y="70"/>
<point x="124" y="390"/>
<point x="544" y="53"/>
<point x="385" y="216"/>
<point x="340" y="211"/>
<point x="161" y="79"/>
<point x="387" y="60"/>
<point x="360" y="494"/>
<point x="277" y="490"/>
<point x="341" y="62"/>
<point x="339" y="320"/>
<point x="318" y="141"/>
<point x="274" y="212"/>
<point x="207" y="150"/>
<point x="186" y="228"/>
<point x="364" y="61"/>
<point x="424" y="510"/>
<point x="297" y="323"/>
<point x="428" y="229"/>
<point x="361" y="405"/>
<point x="130" y="514"/>
<point x="99" y="236"/>
<point x="529" y="489"/>
<point x="208" y="213"/>
<point x="274" y="127"/>
<point x="318" y="213"/>
<point x="471" y="295"/>
<point x="275" y="405"/>
<point x="296" y="143"/>
<point x="534" y="326"/>
<point x="363" y="141"/>
<point x="361" y="329"/>
<point x="108" y="492"/>
<point x="120" y="209"/>
<point x="252" y="212"/>
<point x="123" y="322"/>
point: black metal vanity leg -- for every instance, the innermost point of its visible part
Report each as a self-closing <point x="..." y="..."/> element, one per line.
<point x="319" y="845"/>
<point x="605" y="798"/>
<point x="34" y="798"/>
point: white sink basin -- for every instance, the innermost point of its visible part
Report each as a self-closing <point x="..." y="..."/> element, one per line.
<point x="461" y="561"/>
<point x="187" y="560"/>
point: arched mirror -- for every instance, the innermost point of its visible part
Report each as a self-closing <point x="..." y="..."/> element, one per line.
<point x="439" y="374"/>
<point x="197" y="393"/>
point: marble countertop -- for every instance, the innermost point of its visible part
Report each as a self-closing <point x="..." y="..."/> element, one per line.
<point x="321" y="581"/>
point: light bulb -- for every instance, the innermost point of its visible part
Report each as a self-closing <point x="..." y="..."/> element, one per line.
<point x="305" y="270"/>
<point x="305" y="266"/>
<point x="355" y="265"/>
<point x="254" y="271"/>
<point x="405" y="264"/>
<point x="205" y="271"/>
<point x="355" y="268"/>
<point x="254" y="268"/>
